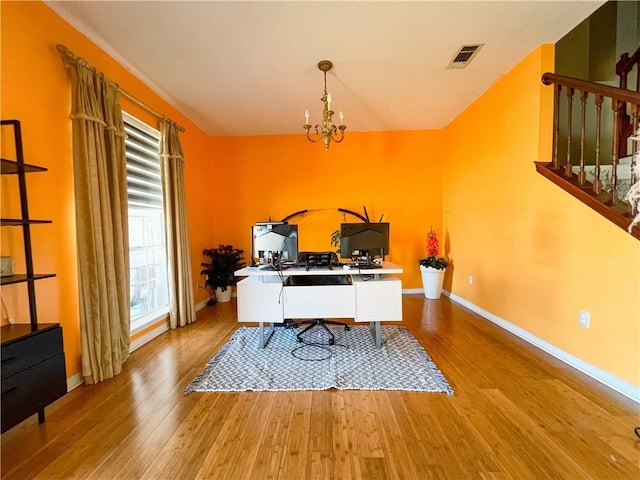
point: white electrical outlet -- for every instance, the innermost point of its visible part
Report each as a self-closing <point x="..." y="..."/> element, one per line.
<point x="584" y="319"/>
<point x="470" y="279"/>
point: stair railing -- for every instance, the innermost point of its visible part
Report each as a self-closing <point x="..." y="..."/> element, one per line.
<point x="593" y="97"/>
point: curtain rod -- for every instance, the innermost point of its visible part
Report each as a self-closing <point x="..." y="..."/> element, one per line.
<point x="147" y="107"/>
<point x="65" y="52"/>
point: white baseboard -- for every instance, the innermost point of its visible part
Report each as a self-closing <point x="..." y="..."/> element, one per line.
<point x="150" y="335"/>
<point x="201" y="305"/>
<point x="412" y="291"/>
<point x="74" y="381"/>
<point x="611" y="381"/>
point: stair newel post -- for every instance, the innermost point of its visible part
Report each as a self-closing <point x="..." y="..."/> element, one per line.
<point x="567" y="168"/>
<point x="582" y="175"/>
<point x="597" y="184"/>
<point x="622" y="67"/>
<point x="616" y="105"/>
<point x="556" y="123"/>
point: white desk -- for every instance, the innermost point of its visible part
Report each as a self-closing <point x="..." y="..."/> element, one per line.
<point x="371" y="296"/>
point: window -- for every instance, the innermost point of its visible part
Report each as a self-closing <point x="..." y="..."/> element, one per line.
<point x="147" y="245"/>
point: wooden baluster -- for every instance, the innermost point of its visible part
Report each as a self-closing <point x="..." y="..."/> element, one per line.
<point x="616" y="105"/>
<point x="597" y="184"/>
<point x="635" y="121"/>
<point x="582" y="175"/>
<point x="556" y="124"/>
<point x="567" y="168"/>
<point x="632" y="209"/>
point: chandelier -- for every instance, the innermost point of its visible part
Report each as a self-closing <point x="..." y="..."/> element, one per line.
<point x="327" y="131"/>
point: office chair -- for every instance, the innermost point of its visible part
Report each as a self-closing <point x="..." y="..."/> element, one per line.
<point x="322" y="323"/>
<point x="319" y="260"/>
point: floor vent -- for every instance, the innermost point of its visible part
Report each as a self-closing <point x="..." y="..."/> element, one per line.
<point x="464" y="56"/>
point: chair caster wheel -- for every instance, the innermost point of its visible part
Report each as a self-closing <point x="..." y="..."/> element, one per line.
<point x="332" y="342"/>
<point x="346" y="328"/>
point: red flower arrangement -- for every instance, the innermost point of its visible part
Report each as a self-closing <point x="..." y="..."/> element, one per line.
<point x="433" y="248"/>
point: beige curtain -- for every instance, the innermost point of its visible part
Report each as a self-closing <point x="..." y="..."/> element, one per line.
<point x="101" y="219"/>
<point x="181" y="305"/>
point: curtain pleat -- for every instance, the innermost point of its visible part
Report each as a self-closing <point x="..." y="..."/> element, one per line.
<point x="181" y="304"/>
<point x="101" y="220"/>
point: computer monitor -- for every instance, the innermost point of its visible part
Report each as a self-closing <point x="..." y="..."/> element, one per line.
<point x="364" y="237"/>
<point x="275" y="242"/>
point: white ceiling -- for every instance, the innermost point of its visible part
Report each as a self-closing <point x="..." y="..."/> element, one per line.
<point x="250" y="68"/>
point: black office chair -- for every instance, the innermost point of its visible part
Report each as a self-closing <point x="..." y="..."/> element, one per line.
<point x="322" y="323"/>
<point x="319" y="260"/>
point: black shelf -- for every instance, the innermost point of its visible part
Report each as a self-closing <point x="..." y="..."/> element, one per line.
<point x="33" y="368"/>
<point x="21" y="278"/>
<point x="18" y="222"/>
<point x="11" y="167"/>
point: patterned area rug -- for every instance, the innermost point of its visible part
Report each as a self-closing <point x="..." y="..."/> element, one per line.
<point x="352" y="363"/>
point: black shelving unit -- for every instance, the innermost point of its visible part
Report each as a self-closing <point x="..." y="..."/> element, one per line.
<point x="20" y="168"/>
<point x="33" y="367"/>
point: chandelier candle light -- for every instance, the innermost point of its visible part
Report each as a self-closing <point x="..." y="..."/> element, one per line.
<point x="327" y="131"/>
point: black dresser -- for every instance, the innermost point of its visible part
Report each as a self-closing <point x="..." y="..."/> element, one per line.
<point x="33" y="371"/>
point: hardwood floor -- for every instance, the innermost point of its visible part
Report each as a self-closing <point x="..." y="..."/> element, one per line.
<point x="516" y="413"/>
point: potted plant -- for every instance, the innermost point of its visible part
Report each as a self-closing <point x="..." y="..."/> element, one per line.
<point x="432" y="267"/>
<point x="219" y="272"/>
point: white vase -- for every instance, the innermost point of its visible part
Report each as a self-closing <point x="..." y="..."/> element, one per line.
<point x="432" y="280"/>
<point x="223" y="296"/>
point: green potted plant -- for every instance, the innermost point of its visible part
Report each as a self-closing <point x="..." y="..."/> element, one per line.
<point x="219" y="271"/>
<point x="432" y="267"/>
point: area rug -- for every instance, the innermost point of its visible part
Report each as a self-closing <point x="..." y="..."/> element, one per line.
<point x="353" y="363"/>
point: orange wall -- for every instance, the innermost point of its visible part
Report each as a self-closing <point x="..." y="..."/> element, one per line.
<point x="36" y="90"/>
<point x="537" y="255"/>
<point x="231" y="182"/>
<point x="394" y="174"/>
<point x="521" y="238"/>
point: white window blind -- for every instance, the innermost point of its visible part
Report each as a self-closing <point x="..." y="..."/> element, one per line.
<point x="147" y="246"/>
<point x="144" y="177"/>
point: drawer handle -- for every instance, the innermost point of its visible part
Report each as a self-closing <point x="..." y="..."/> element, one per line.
<point x="9" y="360"/>
<point x="9" y="391"/>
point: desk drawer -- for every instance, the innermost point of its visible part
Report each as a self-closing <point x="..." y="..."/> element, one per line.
<point x="379" y="300"/>
<point x="260" y="299"/>
<point x="319" y="301"/>
<point x="31" y="350"/>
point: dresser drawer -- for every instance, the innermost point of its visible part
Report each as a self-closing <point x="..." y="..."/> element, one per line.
<point x="28" y="351"/>
<point x="32" y="389"/>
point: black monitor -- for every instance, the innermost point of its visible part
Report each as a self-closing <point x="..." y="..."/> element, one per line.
<point x="275" y="242"/>
<point x="364" y="237"/>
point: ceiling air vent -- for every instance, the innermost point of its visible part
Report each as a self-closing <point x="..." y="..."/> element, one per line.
<point x="465" y="55"/>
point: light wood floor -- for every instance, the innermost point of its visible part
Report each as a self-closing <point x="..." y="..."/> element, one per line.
<point x="516" y="414"/>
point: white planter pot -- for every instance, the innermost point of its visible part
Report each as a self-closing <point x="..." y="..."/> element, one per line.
<point x="222" y="297"/>
<point x="432" y="280"/>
